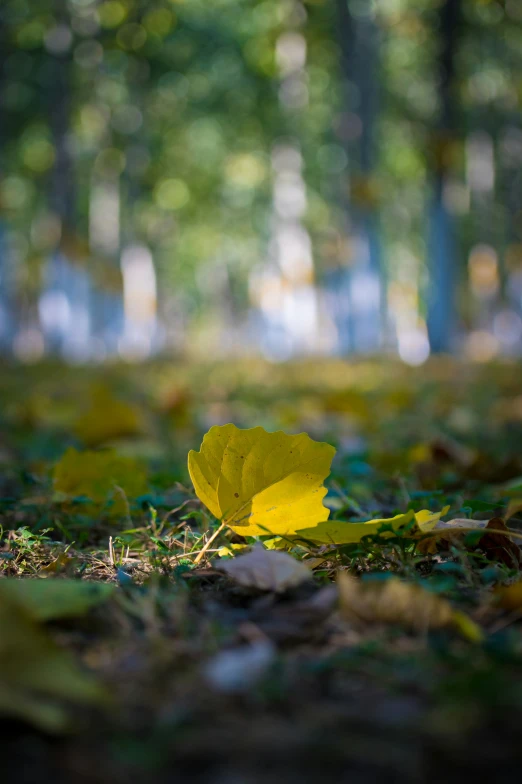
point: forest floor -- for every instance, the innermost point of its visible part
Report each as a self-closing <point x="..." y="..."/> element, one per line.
<point x="175" y="670"/>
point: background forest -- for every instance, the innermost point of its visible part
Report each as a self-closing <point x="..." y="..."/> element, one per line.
<point x="277" y="176"/>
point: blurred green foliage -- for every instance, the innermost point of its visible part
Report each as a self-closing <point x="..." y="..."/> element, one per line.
<point x="180" y="102"/>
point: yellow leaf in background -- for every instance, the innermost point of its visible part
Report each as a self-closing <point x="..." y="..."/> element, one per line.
<point x="260" y="483"/>
<point x="48" y="600"/>
<point x="231" y="549"/>
<point x="278" y="543"/>
<point x="395" y="602"/>
<point x="267" y="570"/>
<point x="509" y="597"/>
<point x="101" y="477"/>
<point x="343" y="532"/>
<point x="60" y="564"/>
<point x="108" y="418"/>
<point x="420" y="453"/>
<point x="349" y="402"/>
<point x="37" y="678"/>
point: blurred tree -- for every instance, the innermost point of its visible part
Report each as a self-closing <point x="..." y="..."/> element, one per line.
<point x="152" y="124"/>
<point x="360" y="55"/>
<point x="445" y="146"/>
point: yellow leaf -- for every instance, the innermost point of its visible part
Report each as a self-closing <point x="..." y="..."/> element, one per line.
<point x="268" y="570"/>
<point x="107" y="419"/>
<point x="468" y="628"/>
<point x="59" y="564"/>
<point x="420" y="453"/>
<point x="231" y="549"/>
<point x="260" y="483"/>
<point x="37" y="678"/>
<point x="343" y="532"/>
<point x="509" y="597"/>
<point x="101" y="477"/>
<point x="427" y="520"/>
<point x="278" y="543"/>
<point x="349" y="402"/>
<point x="395" y="602"/>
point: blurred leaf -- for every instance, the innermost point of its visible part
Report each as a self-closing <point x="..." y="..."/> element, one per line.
<point x="513" y="487"/>
<point x="47" y="600"/>
<point x="509" y="597"/>
<point x="107" y="419"/>
<point x="395" y="602"/>
<point x="60" y="564"/>
<point x="258" y="482"/>
<point x="37" y="678"/>
<point x="427" y="520"/>
<point x="231" y="549"/>
<point x="460" y="527"/>
<point x="267" y="570"/>
<point x="497" y="546"/>
<point x="101" y="477"/>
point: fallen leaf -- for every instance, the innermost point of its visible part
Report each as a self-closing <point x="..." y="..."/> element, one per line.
<point x="260" y="483"/>
<point x="231" y="549"/>
<point x="343" y="532"/>
<point x="349" y="402"/>
<point x="459" y="525"/>
<point x="37" y="678"/>
<point x="278" y="543"/>
<point x="60" y="564"/>
<point x="47" y="600"/>
<point x="427" y="520"/>
<point x="498" y="546"/>
<point x="108" y="418"/>
<point x="268" y="570"/>
<point x="509" y="597"/>
<point x="454" y="530"/>
<point x="393" y="601"/>
<point x="102" y="477"/>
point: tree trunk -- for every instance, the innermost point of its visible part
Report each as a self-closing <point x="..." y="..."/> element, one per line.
<point x="359" y="42"/>
<point x="442" y="242"/>
<point x="7" y="322"/>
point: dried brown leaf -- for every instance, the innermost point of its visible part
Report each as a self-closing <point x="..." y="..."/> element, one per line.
<point x="498" y="546"/>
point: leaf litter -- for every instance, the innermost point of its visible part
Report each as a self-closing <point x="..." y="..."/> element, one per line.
<point x="339" y="622"/>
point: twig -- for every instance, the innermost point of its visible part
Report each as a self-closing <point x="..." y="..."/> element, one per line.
<point x="207" y="545"/>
